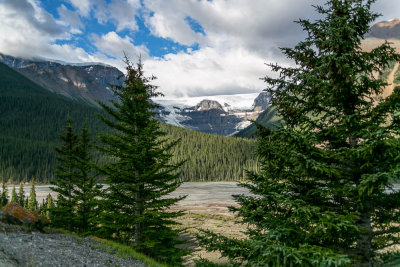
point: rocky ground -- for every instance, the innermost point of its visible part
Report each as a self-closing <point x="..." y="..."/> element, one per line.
<point x="50" y="248"/>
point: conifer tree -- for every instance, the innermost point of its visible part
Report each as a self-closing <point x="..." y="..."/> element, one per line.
<point x="135" y="202"/>
<point x="21" y="195"/>
<point x="62" y="215"/>
<point x="86" y="190"/>
<point x="4" y="194"/>
<point x="26" y="202"/>
<point x="49" y="205"/>
<point x="14" y="196"/>
<point x="32" y="203"/>
<point x="324" y="195"/>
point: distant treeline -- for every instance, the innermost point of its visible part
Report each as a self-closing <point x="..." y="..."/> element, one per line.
<point x="31" y="118"/>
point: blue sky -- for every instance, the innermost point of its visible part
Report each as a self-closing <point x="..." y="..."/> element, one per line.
<point x="194" y="47"/>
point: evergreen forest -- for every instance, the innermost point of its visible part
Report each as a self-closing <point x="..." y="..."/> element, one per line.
<point x="32" y="117"/>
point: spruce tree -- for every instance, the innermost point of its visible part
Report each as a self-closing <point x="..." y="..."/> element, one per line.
<point x="62" y="215"/>
<point x="136" y="203"/>
<point x="14" y="196"/>
<point x="86" y="190"/>
<point x="26" y="202"/>
<point x="324" y="195"/>
<point x="4" y="194"/>
<point x="49" y="205"/>
<point x="21" y="195"/>
<point x="32" y="203"/>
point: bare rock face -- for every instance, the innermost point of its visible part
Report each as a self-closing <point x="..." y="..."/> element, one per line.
<point x="386" y="29"/>
<point x="207" y="105"/>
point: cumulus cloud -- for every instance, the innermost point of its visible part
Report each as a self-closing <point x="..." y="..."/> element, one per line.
<point x="114" y="45"/>
<point x="121" y="13"/>
<point x="208" y="72"/>
<point x="70" y="18"/>
<point x="237" y="37"/>
<point x="83" y="6"/>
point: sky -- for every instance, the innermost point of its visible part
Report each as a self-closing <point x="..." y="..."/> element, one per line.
<point x="194" y="47"/>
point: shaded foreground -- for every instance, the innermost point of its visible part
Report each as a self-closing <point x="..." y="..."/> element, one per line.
<point x="21" y="248"/>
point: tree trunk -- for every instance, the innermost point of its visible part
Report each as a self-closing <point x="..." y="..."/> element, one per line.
<point x="138" y="214"/>
<point x="364" y="242"/>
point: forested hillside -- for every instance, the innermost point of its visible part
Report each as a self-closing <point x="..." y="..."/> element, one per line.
<point x="31" y="119"/>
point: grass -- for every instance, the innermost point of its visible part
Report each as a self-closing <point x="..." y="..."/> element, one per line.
<point x="124" y="251"/>
<point x="120" y="250"/>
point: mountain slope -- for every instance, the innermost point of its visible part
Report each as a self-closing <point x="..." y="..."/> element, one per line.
<point x="83" y="83"/>
<point x="31" y="118"/>
<point x="267" y="118"/>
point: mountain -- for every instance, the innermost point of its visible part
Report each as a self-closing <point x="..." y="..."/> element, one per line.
<point x="83" y="83"/>
<point x="386" y="29"/>
<point x="32" y="117"/>
<point x="87" y="83"/>
<point x="223" y="115"/>
<point x="267" y="118"/>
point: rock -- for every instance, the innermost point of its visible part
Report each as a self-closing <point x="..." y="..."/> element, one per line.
<point x="207" y="105"/>
<point x="14" y="213"/>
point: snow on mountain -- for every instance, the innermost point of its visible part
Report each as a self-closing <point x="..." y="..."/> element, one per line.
<point x="229" y="102"/>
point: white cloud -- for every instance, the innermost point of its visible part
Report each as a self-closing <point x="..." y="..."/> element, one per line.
<point x="114" y="45"/>
<point x="83" y="6"/>
<point x="168" y="21"/>
<point x="208" y="72"/>
<point x="121" y="13"/>
<point x="70" y="18"/>
<point x="239" y="37"/>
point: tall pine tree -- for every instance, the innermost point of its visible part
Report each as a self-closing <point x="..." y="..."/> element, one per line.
<point x="32" y="204"/>
<point x="86" y="190"/>
<point x="62" y="215"/>
<point x="14" y="196"/>
<point x="4" y="193"/>
<point x="21" y="195"/>
<point x="142" y="175"/>
<point x="324" y="195"/>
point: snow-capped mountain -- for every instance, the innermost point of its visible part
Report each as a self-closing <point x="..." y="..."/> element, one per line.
<point x="222" y="114"/>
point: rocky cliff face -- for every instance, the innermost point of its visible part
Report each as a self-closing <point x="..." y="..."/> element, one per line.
<point x="87" y="83"/>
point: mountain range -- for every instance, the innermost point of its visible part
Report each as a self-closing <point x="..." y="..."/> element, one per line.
<point x="89" y="83"/>
<point x="32" y="118"/>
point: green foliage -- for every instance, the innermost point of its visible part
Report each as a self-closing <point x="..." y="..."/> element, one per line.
<point x="32" y="204"/>
<point x="4" y="194"/>
<point x="210" y="157"/>
<point x="127" y="251"/>
<point x="21" y="195"/>
<point x="135" y="203"/>
<point x="49" y="205"/>
<point x="14" y="196"/>
<point x="324" y="195"/>
<point x="86" y="190"/>
<point x="62" y="215"/>
<point x="32" y="117"/>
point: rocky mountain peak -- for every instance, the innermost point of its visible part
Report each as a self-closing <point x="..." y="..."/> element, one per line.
<point x="386" y="29"/>
<point x="207" y="105"/>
